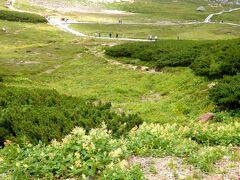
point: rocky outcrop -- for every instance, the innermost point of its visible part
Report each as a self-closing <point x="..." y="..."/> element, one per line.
<point x="236" y="2"/>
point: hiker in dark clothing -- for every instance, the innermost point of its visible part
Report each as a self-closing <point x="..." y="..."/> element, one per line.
<point x="116" y="35"/>
<point x="110" y="35"/>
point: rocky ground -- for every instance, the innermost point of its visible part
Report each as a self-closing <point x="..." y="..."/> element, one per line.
<point x="171" y="168"/>
<point x="93" y="6"/>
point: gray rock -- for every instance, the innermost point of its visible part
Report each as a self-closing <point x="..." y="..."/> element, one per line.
<point x="201" y="9"/>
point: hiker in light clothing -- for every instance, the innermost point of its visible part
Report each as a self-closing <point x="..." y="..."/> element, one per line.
<point x="155" y="38"/>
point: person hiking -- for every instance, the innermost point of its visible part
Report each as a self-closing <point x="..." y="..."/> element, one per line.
<point x="155" y="38"/>
<point x="110" y="35"/>
<point x="150" y="37"/>
<point x="116" y="35"/>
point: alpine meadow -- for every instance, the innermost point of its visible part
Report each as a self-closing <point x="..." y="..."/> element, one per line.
<point x="120" y="89"/>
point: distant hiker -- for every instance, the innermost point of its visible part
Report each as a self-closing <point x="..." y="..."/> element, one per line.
<point x="155" y="38"/>
<point x="99" y="34"/>
<point x="116" y="35"/>
<point x="9" y="3"/>
<point x="4" y="30"/>
<point x="150" y="37"/>
<point x="178" y="38"/>
<point x="96" y="34"/>
<point x="110" y="35"/>
<point x="120" y="21"/>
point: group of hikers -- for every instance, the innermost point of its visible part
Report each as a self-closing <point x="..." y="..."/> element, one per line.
<point x="151" y="38"/>
<point x="65" y="19"/>
<point x="9" y="3"/>
<point x="110" y="35"/>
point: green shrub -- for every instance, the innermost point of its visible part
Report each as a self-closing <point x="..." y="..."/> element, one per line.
<point x="42" y="115"/>
<point x="212" y="59"/>
<point x="226" y="94"/>
<point x="21" y="17"/>
<point x="158" y="54"/>
<point x="215" y="63"/>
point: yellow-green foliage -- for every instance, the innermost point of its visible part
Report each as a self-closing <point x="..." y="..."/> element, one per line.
<point x="99" y="154"/>
<point x="78" y="155"/>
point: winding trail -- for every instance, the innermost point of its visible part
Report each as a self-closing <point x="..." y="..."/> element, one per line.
<point x="208" y="19"/>
<point x="54" y="21"/>
<point x="65" y="27"/>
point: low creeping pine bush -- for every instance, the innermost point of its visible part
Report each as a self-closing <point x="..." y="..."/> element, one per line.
<point x="226" y="93"/>
<point x="21" y="17"/>
<point x="212" y="59"/>
<point x="42" y="115"/>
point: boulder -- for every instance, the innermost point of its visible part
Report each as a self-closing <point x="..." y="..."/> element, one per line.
<point x="145" y="68"/>
<point x="206" y="117"/>
<point x="201" y="9"/>
<point x="4" y="30"/>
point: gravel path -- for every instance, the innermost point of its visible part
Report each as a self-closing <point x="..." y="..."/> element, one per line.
<point x="65" y="27"/>
<point x="208" y="19"/>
